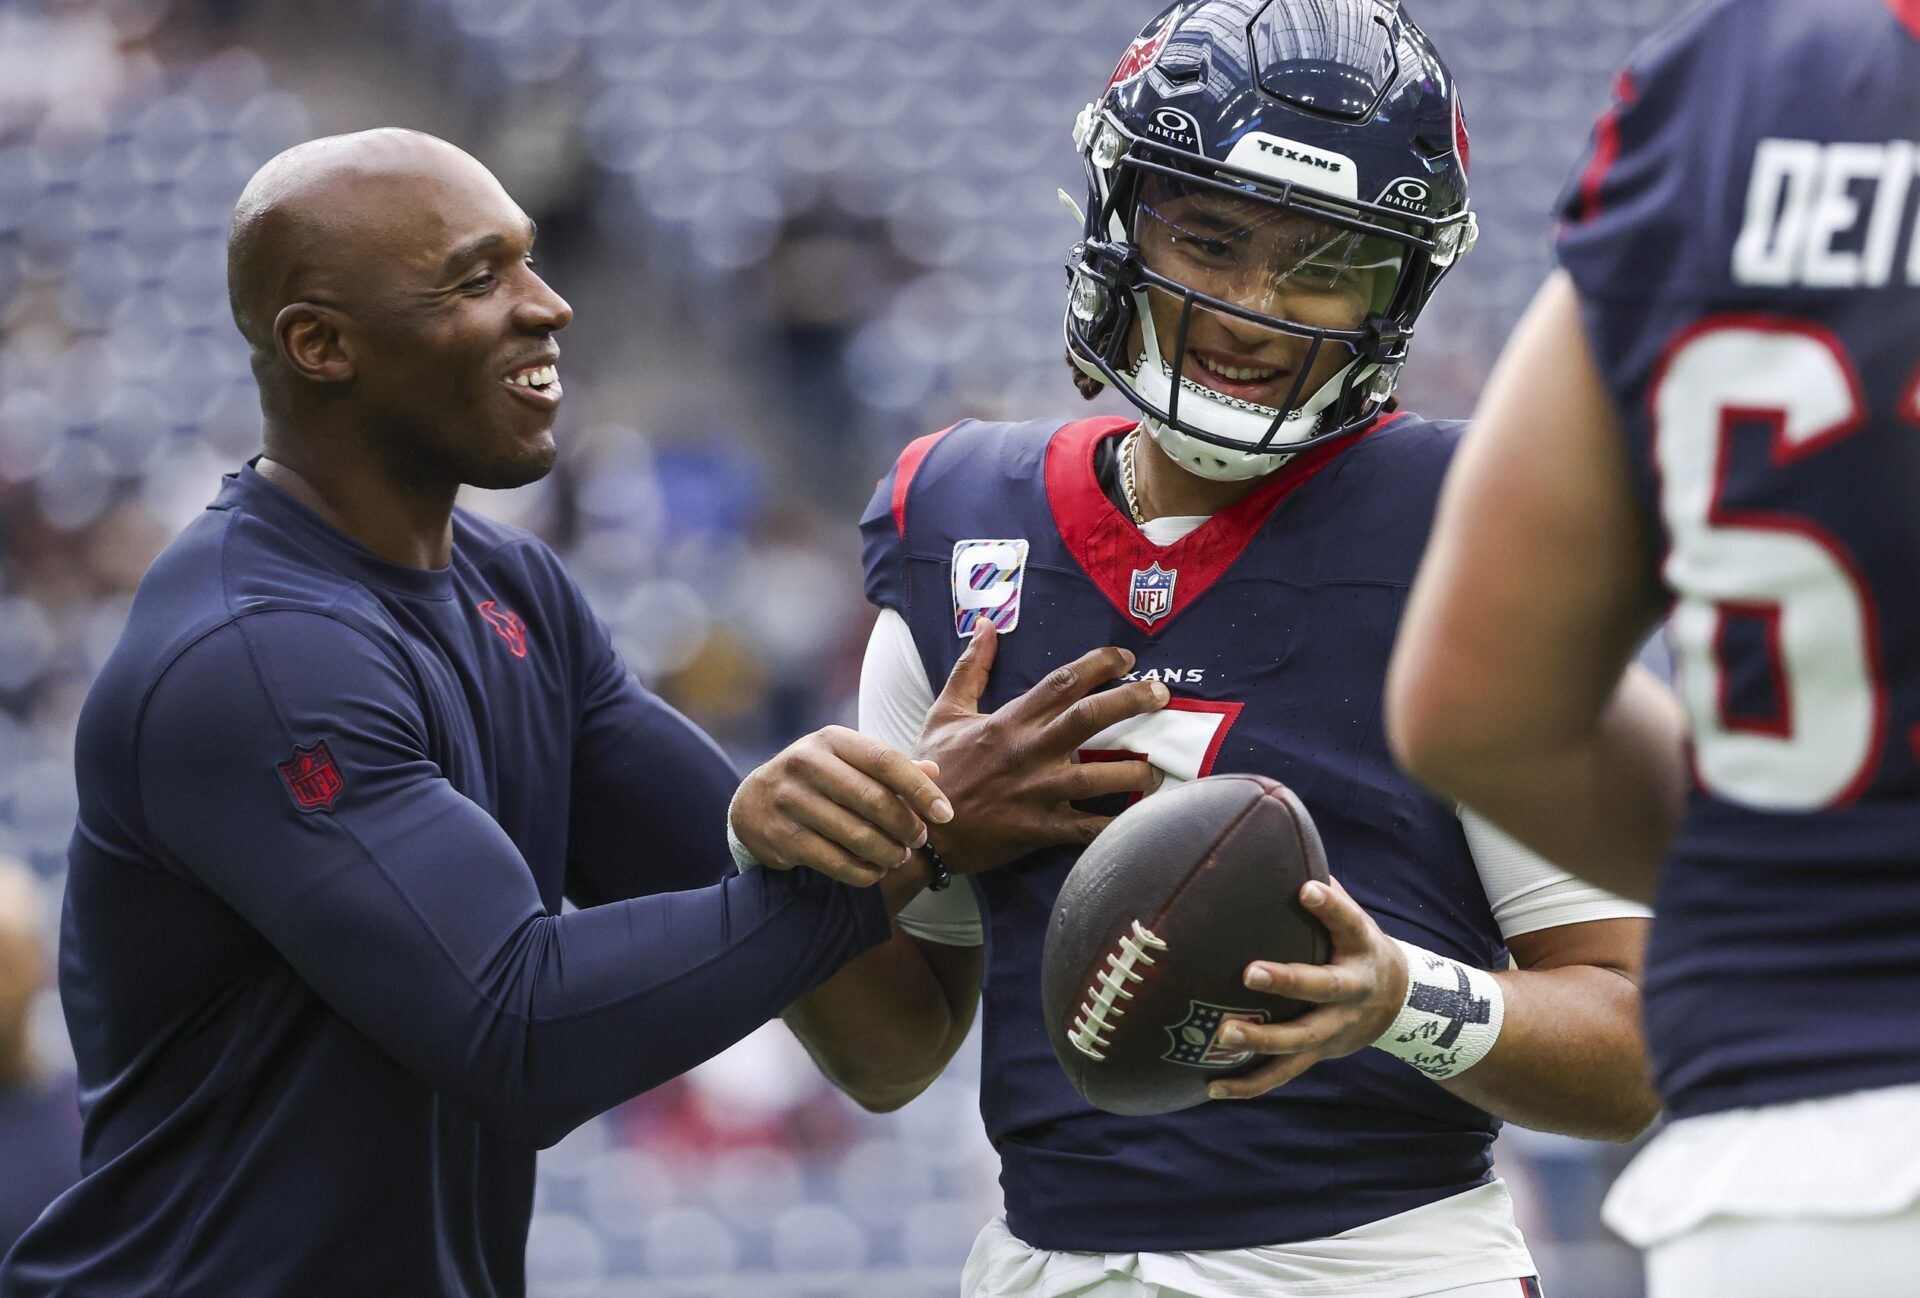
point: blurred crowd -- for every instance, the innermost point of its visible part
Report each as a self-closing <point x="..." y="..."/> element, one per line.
<point x="797" y="233"/>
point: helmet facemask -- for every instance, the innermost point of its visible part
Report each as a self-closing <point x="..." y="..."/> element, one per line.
<point x="1193" y="264"/>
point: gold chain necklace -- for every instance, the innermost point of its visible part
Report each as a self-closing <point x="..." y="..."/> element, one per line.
<point x="1127" y="449"/>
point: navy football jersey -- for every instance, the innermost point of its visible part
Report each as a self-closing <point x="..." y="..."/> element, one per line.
<point x="1744" y="243"/>
<point x="1271" y="625"/>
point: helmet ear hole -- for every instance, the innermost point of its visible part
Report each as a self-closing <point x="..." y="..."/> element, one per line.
<point x="1172" y="77"/>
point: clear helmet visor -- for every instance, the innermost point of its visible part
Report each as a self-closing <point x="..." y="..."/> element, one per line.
<point x="1265" y="258"/>
<point x="1252" y="318"/>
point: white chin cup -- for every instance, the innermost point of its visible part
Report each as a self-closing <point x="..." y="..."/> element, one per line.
<point x="1207" y="460"/>
<point x="1222" y="416"/>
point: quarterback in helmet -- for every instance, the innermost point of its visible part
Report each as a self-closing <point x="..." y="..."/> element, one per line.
<point x="1214" y="234"/>
<point x="1275" y="188"/>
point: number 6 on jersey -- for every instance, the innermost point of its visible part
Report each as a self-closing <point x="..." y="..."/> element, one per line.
<point x="1782" y="574"/>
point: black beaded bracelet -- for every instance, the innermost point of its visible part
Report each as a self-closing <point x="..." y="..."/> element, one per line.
<point x="942" y="876"/>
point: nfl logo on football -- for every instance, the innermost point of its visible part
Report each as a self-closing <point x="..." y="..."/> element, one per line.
<point x="1150" y="597"/>
<point x="1195" y="1040"/>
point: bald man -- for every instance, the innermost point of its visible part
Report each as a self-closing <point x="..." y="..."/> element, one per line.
<point x="354" y="748"/>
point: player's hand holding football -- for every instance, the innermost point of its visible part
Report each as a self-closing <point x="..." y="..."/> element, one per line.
<point x="840" y="802"/>
<point x="1357" y="995"/>
<point x="1010" y="773"/>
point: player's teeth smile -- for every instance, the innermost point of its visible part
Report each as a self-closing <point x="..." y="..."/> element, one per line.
<point x="539" y="384"/>
<point x="1237" y="374"/>
<point x="539" y="377"/>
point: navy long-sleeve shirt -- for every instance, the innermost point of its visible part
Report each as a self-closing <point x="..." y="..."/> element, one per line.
<point x="39" y="1152"/>
<point x="323" y="1000"/>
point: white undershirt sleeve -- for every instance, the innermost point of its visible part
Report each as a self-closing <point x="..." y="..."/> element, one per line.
<point x="895" y="697"/>
<point x="1527" y="893"/>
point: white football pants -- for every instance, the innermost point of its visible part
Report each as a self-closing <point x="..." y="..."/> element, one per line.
<point x="1002" y="1266"/>
<point x="1122" y="1287"/>
<point x="1794" y="1257"/>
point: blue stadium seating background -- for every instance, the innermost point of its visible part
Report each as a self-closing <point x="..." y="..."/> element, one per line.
<point x="798" y="232"/>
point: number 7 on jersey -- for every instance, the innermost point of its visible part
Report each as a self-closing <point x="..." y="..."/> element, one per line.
<point x="1183" y="739"/>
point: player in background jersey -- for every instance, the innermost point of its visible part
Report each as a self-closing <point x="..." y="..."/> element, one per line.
<point x="1709" y="416"/>
<point x="1274" y="191"/>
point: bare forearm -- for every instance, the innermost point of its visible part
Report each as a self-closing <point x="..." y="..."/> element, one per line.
<point x="877" y="1028"/>
<point x="1602" y="804"/>
<point x="1570" y="1057"/>
<point x="884" y="1026"/>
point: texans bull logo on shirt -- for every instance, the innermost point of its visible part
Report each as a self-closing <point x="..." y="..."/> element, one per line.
<point x="508" y="623"/>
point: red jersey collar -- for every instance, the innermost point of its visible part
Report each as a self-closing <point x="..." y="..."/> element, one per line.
<point x="1121" y="560"/>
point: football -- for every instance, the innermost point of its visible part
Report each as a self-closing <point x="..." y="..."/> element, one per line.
<point x="1154" y="929"/>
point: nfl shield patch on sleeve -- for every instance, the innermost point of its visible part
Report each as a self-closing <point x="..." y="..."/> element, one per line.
<point x="986" y="583"/>
<point x="312" y="778"/>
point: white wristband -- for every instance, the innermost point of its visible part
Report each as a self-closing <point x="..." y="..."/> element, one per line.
<point x="741" y="856"/>
<point x="1451" y="1018"/>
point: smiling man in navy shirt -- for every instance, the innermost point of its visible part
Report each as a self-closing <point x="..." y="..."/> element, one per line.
<point x="352" y="751"/>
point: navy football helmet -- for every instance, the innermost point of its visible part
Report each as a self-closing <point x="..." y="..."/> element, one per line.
<point x="1278" y="185"/>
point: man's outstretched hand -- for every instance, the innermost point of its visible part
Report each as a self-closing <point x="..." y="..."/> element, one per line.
<point x="1010" y="774"/>
<point x="840" y="802"/>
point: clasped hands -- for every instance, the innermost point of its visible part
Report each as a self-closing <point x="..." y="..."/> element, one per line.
<point x="984" y="788"/>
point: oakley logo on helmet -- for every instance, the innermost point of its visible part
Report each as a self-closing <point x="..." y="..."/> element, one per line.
<point x="1409" y="194"/>
<point x="1172" y="126"/>
<point x="1278" y="158"/>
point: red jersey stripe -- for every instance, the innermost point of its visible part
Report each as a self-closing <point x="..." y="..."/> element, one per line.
<point x="903" y="474"/>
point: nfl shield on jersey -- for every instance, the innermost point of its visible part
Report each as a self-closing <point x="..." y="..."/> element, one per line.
<point x="1749" y="265"/>
<point x="1271" y="625"/>
<point x="1150" y="597"/>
